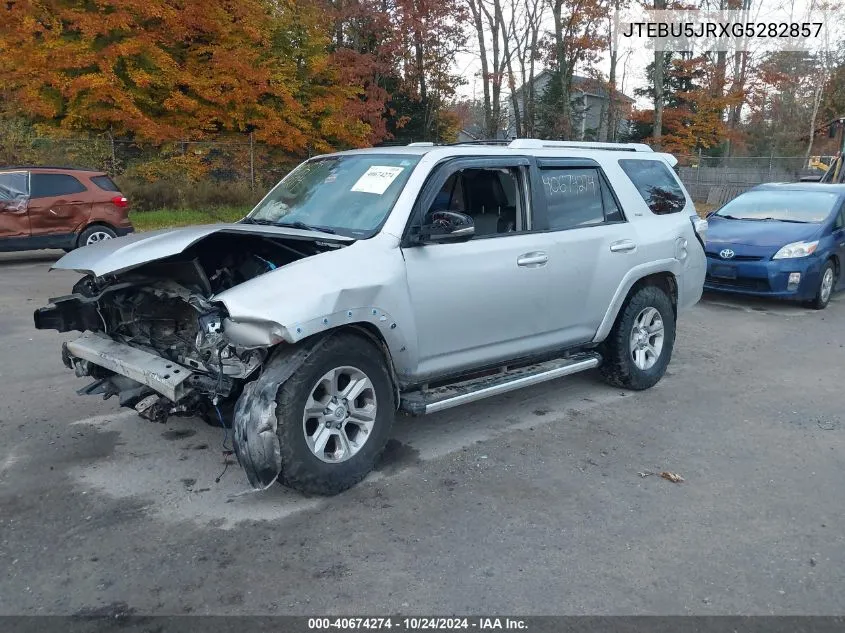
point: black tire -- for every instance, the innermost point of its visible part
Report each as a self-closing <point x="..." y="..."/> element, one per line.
<point x="819" y="302"/>
<point x="618" y="367"/>
<point x="93" y="230"/>
<point x="301" y="468"/>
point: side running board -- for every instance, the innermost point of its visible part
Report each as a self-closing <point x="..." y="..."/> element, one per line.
<point x="448" y="396"/>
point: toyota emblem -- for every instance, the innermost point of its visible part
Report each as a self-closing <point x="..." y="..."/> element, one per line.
<point x="726" y="253"/>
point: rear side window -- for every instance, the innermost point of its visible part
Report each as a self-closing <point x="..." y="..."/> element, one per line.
<point x="105" y="183"/>
<point x="577" y="197"/>
<point x="656" y="185"/>
<point x="48" y="185"/>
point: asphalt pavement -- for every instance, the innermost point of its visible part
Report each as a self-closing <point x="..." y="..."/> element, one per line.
<point x="543" y="501"/>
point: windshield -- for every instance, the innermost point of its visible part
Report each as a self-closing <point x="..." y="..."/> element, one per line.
<point x="811" y="207"/>
<point x="350" y="194"/>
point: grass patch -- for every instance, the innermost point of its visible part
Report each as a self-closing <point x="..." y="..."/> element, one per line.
<point x="169" y="218"/>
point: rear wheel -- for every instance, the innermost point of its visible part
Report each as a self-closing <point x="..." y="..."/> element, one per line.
<point x="827" y="281"/>
<point x="639" y="347"/>
<point x="94" y="234"/>
<point x="334" y="416"/>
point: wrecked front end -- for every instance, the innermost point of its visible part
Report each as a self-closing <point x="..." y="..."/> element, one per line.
<point x="156" y="337"/>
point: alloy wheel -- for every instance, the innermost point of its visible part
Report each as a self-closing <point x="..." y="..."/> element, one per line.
<point x="339" y="414"/>
<point x="97" y="236"/>
<point x="646" y="341"/>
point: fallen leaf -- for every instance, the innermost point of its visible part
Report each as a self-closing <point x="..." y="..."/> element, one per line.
<point x="673" y="477"/>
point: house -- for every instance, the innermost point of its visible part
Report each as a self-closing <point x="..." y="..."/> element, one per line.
<point x="590" y="102"/>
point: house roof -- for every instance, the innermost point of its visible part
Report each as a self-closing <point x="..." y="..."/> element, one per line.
<point x="585" y="85"/>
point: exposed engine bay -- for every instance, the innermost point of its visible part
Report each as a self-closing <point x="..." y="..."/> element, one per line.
<point x="165" y="311"/>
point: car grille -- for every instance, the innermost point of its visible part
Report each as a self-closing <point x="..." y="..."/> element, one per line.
<point x="735" y="258"/>
<point x="740" y="283"/>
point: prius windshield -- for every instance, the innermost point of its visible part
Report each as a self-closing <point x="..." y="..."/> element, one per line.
<point x="783" y="205"/>
<point x="349" y="195"/>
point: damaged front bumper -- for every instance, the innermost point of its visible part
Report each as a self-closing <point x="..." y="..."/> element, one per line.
<point x="156" y="387"/>
<point x="171" y="380"/>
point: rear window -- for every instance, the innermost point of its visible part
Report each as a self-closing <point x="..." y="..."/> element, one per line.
<point x="656" y="185"/>
<point x="105" y="183"/>
<point x="49" y="185"/>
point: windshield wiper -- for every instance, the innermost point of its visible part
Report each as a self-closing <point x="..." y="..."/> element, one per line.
<point x="258" y="221"/>
<point x="294" y="225"/>
<point x="786" y="220"/>
<point x="306" y="227"/>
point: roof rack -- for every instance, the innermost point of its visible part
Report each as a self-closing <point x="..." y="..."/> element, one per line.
<point x="536" y="143"/>
<point x="484" y="141"/>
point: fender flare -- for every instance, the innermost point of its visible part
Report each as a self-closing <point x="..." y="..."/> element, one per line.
<point x="634" y="275"/>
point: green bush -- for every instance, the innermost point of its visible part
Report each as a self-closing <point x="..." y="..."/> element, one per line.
<point x="169" y="194"/>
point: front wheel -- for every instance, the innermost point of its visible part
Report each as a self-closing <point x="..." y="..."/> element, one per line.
<point x="639" y="347"/>
<point x="334" y="416"/>
<point x="827" y="280"/>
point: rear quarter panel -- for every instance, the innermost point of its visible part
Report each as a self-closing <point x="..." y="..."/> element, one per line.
<point x="665" y="243"/>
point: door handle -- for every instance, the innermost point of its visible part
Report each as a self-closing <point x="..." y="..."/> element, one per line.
<point x="533" y="259"/>
<point x="622" y="246"/>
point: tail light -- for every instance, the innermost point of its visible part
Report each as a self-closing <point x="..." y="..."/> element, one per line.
<point x="120" y="201"/>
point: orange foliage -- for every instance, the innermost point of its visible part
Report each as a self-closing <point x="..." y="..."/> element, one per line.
<point x="163" y="70"/>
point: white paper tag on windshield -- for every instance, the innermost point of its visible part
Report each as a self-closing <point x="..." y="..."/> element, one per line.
<point x="377" y="179"/>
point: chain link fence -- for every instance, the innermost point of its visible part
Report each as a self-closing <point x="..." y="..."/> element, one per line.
<point x="230" y="172"/>
<point x="237" y="171"/>
<point x="716" y="180"/>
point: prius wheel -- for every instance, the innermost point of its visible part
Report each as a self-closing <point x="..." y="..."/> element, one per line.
<point x="827" y="281"/>
<point x="334" y="416"/>
<point x="639" y="347"/>
<point x="94" y="234"/>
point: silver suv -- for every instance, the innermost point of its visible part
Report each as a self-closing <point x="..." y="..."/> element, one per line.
<point x="413" y="278"/>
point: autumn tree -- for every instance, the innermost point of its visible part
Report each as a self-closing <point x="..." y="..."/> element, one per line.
<point x="692" y="113"/>
<point x="578" y="37"/>
<point x="403" y="52"/>
<point x="161" y="70"/>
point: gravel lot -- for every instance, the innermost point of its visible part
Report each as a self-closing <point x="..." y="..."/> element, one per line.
<point x="530" y="503"/>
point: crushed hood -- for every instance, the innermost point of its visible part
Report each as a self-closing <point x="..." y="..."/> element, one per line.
<point x="124" y="253"/>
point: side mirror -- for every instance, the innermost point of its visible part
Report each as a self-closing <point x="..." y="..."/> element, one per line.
<point x="447" y="226"/>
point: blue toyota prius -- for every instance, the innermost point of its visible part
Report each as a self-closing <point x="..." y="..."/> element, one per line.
<point x="779" y="240"/>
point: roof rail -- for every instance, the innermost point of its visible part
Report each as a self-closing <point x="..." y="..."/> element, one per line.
<point x="536" y="143"/>
<point x="484" y="141"/>
<point x="421" y="144"/>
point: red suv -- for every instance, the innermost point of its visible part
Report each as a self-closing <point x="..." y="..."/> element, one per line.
<point x="45" y="207"/>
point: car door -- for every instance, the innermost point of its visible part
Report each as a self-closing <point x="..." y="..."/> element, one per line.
<point x="483" y="300"/>
<point x="14" y="191"/>
<point x="58" y="204"/>
<point x="580" y="224"/>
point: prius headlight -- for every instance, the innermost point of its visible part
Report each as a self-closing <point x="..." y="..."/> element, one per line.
<point x="797" y="249"/>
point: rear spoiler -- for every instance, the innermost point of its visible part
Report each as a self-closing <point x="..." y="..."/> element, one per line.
<point x="669" y="158"/>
